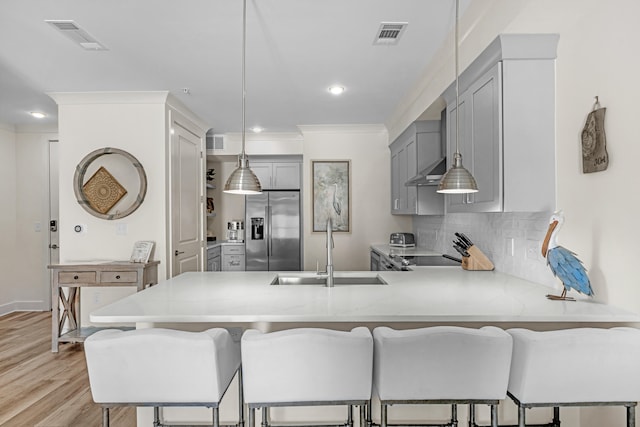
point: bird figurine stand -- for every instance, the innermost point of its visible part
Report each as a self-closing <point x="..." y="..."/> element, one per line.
<point x="476" y="260"/>
<point x="563" y="263"/>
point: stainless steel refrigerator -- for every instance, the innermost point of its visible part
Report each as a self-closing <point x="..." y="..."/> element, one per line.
<point x="272" y="238"/>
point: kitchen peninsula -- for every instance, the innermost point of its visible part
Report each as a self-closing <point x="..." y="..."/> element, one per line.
<point x="427" y="295"/>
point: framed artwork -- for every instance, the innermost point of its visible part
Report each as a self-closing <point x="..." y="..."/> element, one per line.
<point x="331" y="180"/>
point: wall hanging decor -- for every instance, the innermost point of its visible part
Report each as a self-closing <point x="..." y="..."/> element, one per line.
<point x="594" y="141"/>
<point x="108" y="193"/>
<point x="331" y="182"/>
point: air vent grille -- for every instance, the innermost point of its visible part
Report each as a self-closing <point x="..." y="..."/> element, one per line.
<point x="390" y="32"/>
<point x="76" y="34"/>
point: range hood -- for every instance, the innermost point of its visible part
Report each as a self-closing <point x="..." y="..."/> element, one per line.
<point x="431" y="175"/>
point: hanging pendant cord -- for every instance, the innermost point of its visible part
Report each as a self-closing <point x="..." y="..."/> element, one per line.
<point x="244" y="43"/>
<point x="457" y="87"/>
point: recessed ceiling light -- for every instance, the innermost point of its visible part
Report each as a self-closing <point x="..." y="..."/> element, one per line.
<point x="336" y="90"/>
<point x="38" y="114"/>
<point x="256" y="129"/>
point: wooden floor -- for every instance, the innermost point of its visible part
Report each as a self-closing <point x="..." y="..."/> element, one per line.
<point x="43" y="389"/>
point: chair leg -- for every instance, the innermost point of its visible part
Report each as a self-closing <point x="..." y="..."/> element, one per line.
<point x="494" y="415"/>
<point x="556" y="416"/>
<point x="350" y="415"/>
<point x="454" y="415"/>
<point x="521" y="416"/>
<point x="105" y="416"/>
<point x="472" y="415"/>
<point x="156" y="417"/>
<point x="383" y="415"/>
<point x="265" y="417"/>
<point x="240" y="399"/>
<point x="252" y="417"/>
<point x="363" y="415"/>
<point x="631" y="416"/>
<point x="369" y="416"/>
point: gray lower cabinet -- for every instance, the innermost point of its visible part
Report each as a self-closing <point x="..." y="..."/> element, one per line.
<point x="507" y="126"/>
<point x="213" y="258"/>
<point x="233" y="258"/>
<point x="375" y="261"/>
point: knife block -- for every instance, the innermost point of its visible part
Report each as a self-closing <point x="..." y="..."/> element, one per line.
<point x="476" y="260"/>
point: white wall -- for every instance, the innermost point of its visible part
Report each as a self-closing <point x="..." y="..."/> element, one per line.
<point x="88" y="122"/>
<point x="371" y="222"/>
<point x="8" y="249"/>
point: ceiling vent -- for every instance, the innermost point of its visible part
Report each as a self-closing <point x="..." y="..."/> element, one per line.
<point x="79" y="36"/>
<point x="390" y="32"/>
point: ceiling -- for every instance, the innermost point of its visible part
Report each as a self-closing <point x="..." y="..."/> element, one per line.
<point x="296" y="49"/>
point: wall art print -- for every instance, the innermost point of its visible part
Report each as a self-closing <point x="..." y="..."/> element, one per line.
<point x="331" y="180"/>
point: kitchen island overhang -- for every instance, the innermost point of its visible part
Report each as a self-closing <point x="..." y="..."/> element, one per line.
<point x="427" y="295"/>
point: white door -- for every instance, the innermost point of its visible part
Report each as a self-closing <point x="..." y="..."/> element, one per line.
<point x="186" y="206"/>
<point x="54" y="235"/>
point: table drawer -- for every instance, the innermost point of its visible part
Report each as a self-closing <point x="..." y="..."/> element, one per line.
<point x="76" y="277"/>
<point x="119" y="277"/>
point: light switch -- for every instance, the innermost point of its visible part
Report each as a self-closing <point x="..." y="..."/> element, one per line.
<point x="37" y="227"/>
<point x="121" y="229"/>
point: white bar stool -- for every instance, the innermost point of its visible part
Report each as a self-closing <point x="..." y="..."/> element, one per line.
<point x="575" y="367"/>
<point x="162" y="367"/>
<point x="307" y="367"/>
<point x="441" y="364"/>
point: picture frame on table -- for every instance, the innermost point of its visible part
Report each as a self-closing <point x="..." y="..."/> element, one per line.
<point x="331" y="192"/>
<point x="142" y="251"/>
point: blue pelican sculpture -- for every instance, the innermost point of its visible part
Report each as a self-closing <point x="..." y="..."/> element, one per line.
<point x="563" y="263"/>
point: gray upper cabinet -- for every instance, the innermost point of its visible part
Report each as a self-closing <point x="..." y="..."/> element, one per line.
<point x="415" y="149"/>
<point x="507" y="122"/>
<point x="277" y="175"/>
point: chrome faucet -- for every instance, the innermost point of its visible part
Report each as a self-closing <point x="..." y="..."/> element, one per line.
<point x="329" y="269"/>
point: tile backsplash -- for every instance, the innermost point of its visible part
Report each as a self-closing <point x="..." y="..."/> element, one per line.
<point x="511" y="240"/>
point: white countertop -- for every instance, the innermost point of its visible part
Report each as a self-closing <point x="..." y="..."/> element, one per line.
<point x="223" y="242"/>
<point x="428" y="294"/>
<point x="386" y="249"/>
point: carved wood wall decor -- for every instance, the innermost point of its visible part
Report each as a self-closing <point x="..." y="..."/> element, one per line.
<point x="102" y="191"/>
<point x="594" y="141"/>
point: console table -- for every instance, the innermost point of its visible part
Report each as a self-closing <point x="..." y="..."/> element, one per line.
<point x="74" y="276"/>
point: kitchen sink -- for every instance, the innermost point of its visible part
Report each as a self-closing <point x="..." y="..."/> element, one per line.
<point x="338" y="279"/>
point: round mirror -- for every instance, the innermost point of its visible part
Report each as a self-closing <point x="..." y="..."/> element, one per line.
<point x="105" y="183"/>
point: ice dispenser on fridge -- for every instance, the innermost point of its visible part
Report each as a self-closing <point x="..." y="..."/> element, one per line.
<point x="257" y="228"/>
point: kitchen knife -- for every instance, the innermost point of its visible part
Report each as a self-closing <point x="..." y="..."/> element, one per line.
<point x="452" y="258"/>
<point x="465" y="239"/>
<point x="461" y="243"/>
<point x="461" y="251"/>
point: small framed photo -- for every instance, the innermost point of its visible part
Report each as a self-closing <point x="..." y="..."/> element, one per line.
<point x="141" y="251"/>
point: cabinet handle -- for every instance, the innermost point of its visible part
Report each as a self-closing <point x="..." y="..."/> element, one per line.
<point x="118" y="277"/>
<point x="75" y="277"/>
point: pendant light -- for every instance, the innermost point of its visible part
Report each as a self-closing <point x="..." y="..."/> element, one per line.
<point x="243" y="180"/>
<point x="457" y="180"/>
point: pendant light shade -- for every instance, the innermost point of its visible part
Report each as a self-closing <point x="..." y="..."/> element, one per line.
<point x="242" y="180"/>
<point x="457" y="180"/>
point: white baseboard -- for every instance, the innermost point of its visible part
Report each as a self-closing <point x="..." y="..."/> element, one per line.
<point x="10" y="307"/>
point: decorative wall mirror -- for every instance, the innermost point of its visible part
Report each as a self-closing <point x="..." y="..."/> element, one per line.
<point x="105" y="183"/>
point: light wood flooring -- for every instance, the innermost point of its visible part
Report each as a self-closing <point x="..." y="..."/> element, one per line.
<point x="39" y="388"/>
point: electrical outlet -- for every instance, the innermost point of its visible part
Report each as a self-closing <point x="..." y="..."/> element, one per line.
<point x="533" y="250"/>
<point x="97" y="297"/>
